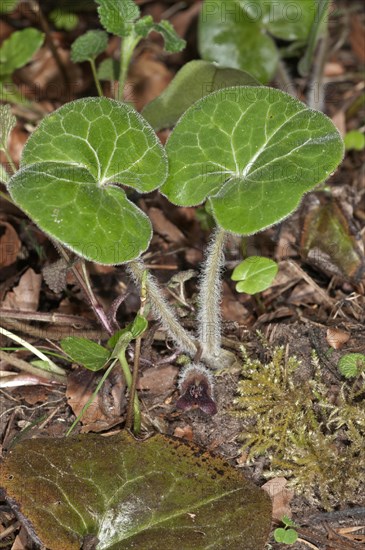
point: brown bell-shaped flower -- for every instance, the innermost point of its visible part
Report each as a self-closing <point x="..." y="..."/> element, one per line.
<point x="196" y="389"/>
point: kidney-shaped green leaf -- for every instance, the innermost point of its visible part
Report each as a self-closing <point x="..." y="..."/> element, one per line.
<point x="253" y="152"/>
<point x="284" y="19"/>
<point x="254" y="274"/>
<point x="71" y="166"/>
<point x="89" y="45"/>
<point x="159" y="493"/>
<point x="233" y="38"/>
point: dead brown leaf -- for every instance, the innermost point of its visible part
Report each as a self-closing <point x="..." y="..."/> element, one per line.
<point x="280" y="496"/>
<point x="105" y="411"/>
<point x="337" y="338"/>
<point x="147" y="79"/>
<point x="357" y="37"/>
<point x="158" y="380"/>
<point x="25" y="296"/>
<point x="185" y="432"/>
<point x="164" y="227"/>
<point x="10" y="244"/>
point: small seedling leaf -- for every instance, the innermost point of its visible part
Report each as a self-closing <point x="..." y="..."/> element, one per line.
<point x="195" y="80"/>
<point x="71" y="167"/>
<point x="139" y="325"/>
<point x="88" y="46"/>
<point x="286" y="536"/>
<point x="349" y="364"/>
<point x="18" y="49"/>
<point x="253" y="152"/>
<point x="144" y="26"/>
<point x="85" y="352"/>
<point x="254" y="274"/>
<point x="228" y="36"/>
<point x="118" y="16"/>
<point x="173" y="42"/>
<point x="7" y="123"/>
<point x="134" y="494"/>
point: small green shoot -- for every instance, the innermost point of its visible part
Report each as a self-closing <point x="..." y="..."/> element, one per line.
<point x="254" y="274"/>
<point x="122" y="18"/>
<point x="95" y="357"/>
<point x="287" y="534"/>
<point x="352" y="364"/>
<point x="87" y="48"/>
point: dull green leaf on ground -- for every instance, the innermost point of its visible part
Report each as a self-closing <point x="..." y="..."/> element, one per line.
<point x="133" y="494"/>
<point x="196" y="79"/>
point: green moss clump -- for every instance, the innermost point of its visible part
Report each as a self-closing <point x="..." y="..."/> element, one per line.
<point x="307" y="432"/>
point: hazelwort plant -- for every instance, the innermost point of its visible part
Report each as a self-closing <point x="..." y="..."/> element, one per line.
<point x="248" y="152"/>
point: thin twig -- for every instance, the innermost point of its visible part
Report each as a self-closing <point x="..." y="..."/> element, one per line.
<point x="26" y="367"/>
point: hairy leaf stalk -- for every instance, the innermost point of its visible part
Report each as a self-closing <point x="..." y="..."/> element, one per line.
<point x="161" y="310"/>
<point x="209" y="313"/>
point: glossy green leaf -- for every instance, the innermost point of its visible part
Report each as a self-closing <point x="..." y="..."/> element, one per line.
<point x="7" y="123"/>
<point x="18" y="49"/>
<point x="349" y="364"/>
<point x="253" y="152"/>
<point x="71" y="167"/>
<point x="85" y="352"/>
<point x="230" y="37"/>
<point x="195" y="80"/>
<point x="254" y="274"/>
<point x="118" y="16"/>
<point x="89" y="46"/>
<point x="283" y="19"/>
<point x="134" y="494"/>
